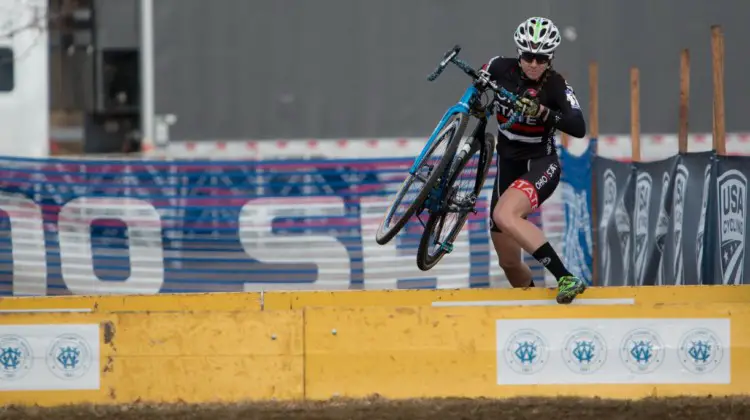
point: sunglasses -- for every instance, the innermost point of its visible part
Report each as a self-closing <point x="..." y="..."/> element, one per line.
<point x="540" y="58"/>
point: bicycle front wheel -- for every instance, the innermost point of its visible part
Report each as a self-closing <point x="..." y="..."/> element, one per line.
<point x="415" y="189"/>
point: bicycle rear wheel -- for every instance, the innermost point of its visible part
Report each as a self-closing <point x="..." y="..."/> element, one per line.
<point x="415" y="189"/>
<point x="471" y="164"/>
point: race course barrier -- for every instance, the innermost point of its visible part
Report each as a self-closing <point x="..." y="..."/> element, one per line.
<point x="621" y="342"/>
<point x="284" y="300"/>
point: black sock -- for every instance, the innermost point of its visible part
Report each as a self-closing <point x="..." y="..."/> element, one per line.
<point x="549" y="259"/>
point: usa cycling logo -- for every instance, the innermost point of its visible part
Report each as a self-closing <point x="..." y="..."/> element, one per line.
<point x="678" y="211"/>
<point x="16" y="357"/>
<point x="622" y="225"/>
<point x="662" y="228"/>
<point x="643" y="188"/>
<point x="732" y="187"/>
<point x="584" y="351"/>
<point x="700" y="351"/>
<point x="526" y="352"/>
<point x="642" y="351"/>
<point x="608" y="209"/>
<point x="702" y="223"/>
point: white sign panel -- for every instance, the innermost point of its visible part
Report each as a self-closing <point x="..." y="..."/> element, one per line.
<point x="49" y="357"/>
<point x="613" y="351"/>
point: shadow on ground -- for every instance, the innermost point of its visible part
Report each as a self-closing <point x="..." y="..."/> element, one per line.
<point x="442" y="409"/>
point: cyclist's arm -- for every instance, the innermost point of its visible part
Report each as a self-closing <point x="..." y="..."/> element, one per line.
<point x="569" y="118"/>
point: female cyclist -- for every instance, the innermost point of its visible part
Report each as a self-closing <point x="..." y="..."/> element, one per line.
<point x="528" y="165"/>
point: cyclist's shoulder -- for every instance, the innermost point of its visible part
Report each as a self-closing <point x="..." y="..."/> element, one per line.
<point x="557" y="81"/>
<point x="499" y="64"/>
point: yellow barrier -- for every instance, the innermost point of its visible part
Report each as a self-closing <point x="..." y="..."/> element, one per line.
<point x="279" y="300"/>
<point x="317" y="349"/>
<point x="435" y="352"/>
<point x="131" y="303"/>
<point x="179" y="356"/>
<point x="505" y="297"/>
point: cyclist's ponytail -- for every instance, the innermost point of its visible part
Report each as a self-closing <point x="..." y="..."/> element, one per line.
<point x="546" y="75"/>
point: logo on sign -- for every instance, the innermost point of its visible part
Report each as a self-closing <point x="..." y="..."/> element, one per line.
<point x="700" y="351"/>
<point x="15" y="357"/>
<point x="642" y="351"/>
<point x="662" y="227"/>
<point x="678" y="211"/>
<point x="702" y="223"/>
<point x="526" y="352"/>
<point x="69" y="356"/>
<point x="623" y="226"/>
<point x="584" y="351"/>
<point x="608" y="208"/>
<point x="577" y="236"/>
<point x="732" y="203"/>
<point x="732" y="200"/>
<point x="643" y="187"/>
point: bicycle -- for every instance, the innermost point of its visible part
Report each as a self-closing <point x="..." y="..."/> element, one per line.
<point x="438" y="194"/>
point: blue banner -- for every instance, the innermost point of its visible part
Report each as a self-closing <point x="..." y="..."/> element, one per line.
<point x="679" y="220"/>
<point x="576" y="187"/>
<point x="118" y="227"/>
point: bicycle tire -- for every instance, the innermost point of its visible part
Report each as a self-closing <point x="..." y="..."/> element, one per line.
<point x="385" y="234"/>
<point x="426" y="261"/>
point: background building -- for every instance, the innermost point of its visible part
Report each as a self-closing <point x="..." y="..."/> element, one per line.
<point x="239" y="69"/>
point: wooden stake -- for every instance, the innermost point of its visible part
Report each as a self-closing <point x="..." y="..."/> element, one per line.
<point x="635" y="118"/>
<point x="717" y="52"/>
<point x="684" y="101"/>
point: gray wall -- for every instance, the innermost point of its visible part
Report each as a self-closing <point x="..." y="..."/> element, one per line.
<point x="117" y="23"/>
<point x="239" y="69"/>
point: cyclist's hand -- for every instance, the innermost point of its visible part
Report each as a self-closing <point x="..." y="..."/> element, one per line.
<point x="484" y="77"/>
<point x="529" y="107"/>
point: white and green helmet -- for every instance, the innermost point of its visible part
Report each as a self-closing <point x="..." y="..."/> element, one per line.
<point x="537" y="35"/>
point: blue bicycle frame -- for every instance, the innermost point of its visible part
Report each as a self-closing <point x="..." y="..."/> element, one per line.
<point x="464" y="104"/>
<point x="462" y="107"/>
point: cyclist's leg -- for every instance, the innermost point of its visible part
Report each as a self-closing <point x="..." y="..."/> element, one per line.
<point x="525" y="195"/>
<point x="507" y="249"/>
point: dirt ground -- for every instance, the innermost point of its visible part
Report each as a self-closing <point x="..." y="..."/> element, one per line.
<point x="442" y="409"/>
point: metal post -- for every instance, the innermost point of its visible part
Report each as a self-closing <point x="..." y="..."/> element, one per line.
<point x="147" y="76"/>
